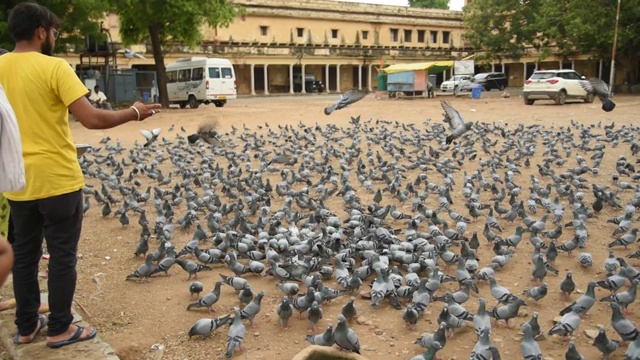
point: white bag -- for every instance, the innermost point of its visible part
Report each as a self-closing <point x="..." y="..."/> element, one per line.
<point x="11" y="161"/>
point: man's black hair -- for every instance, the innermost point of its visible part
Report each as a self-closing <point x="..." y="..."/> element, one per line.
<point x="27" y="17"/>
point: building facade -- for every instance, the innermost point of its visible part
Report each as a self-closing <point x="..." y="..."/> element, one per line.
<point x="343" y="44"/>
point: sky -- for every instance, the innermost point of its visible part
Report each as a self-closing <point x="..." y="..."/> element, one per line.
<point x="453" y="4"/>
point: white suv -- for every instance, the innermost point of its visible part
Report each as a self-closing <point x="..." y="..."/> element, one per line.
<point x="556" y="85"/>
<point x="454" y="83"/>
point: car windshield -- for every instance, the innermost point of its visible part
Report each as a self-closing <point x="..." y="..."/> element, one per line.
<point x="542" y="76"/>
<point x="480" y="76"/>
<point x="459" y="78"/>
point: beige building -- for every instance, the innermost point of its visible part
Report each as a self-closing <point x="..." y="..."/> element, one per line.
<point x="343" y="44"/>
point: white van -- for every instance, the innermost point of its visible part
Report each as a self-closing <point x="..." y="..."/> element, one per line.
<point x="199" y="80"/>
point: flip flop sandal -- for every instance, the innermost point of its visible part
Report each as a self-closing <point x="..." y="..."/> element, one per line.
<point x="76" y="337"/>
<point x="42" y="322"/>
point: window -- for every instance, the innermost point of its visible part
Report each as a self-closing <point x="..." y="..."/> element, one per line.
<point x="227" y="73"/>
<point x="264" y="30"/>
<point x="214" y="73"/>
<point x="393" y="34"/>
<point x="420" y="36"/>
<point x="300" y="32"/>
<point x="446" y="37"/>
<point x="407" y="35"/>
<point x="196" y="74"/>
<point x="184" y="75"/>
<point x="434" y="37"/>
<point x="365" y="34"/>
<point x="172" y="76"/>
<point x="334" y="33"/>
<point x="570" y="76"/>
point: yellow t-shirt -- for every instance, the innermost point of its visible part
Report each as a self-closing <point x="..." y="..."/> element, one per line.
<point x="40" y="88"/>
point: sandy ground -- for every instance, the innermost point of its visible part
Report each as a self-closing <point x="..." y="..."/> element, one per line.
<point x="133" y="316"/>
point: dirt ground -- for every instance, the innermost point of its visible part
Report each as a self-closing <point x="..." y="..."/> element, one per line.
<point x="133" y="316"/>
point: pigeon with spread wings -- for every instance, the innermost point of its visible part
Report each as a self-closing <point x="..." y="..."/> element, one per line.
<point x="345" y="100"/>
<point x="207" y="133"/>
<point x="601" y="89"/>
<point x="455" y="121"/>
<point x="150" y="135"/>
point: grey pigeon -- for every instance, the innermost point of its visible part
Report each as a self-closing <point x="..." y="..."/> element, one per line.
<point x="529" y="347"/>
<point x="625" y="328"/>
<point x="289" y="288"/>
<point x="324" y="339"/>
<point x="284" y="311"/>
<point x="584" y="302"/>
<point x="196" y="288"/>
<point x="346" y="99"/>
<point x="252" y="309"/>
<point x="605" y="345"/>
<point x="205" y="327"/>
<point x="495" y="353"/>
<point x="150" y="136"/>
<point x="633" y="351"/>
<point x="440" y="336"/>
<point x="481" y="349"/>
<point x="600" y="89"/>
<point x="624" y="298"/>
<point x="500" y="293"/>
<point x="344" y="337"/>
<point x="481" y="320"/>
<point x="455" y="121"/>
<point x="145" y="270"/>
<point x="191" y="267"/>
<point x="209" y="299"/>
<point x="429" y="354"/>
<point x="507" y="312"/>
<point x="567" y="286"/>
<point x="410" y="316"/>
<point x="572" y="353"/>
<point x="349" y="310"/>
<point x="537" y="292"/>
<point x="314" y="314"/>
<point x="235" y="338"/>
<point x="567" y="324"/>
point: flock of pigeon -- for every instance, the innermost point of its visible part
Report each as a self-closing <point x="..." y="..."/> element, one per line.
<point x="402" y="243"/>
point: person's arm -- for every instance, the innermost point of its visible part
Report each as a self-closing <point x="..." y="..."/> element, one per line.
<point x="98" y="119"/>
<point x="6" y="260"/>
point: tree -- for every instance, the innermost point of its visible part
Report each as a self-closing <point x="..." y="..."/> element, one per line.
<point x="179" y="22"/>
<point x="430" y="4"/>
<point x="80" y="18"/>
<point x="510" y="27"/>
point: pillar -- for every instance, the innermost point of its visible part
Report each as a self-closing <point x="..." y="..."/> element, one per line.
<point x="338" y="78"/>
<point x="536" y="68"/>
<point x="253" y="79"/>
<point x="302" y="79"/>
<point x="359" y="76"/>
<point x="600" y="69"/>
<point x="369" y="81"/>
<point x="524" y="73"/>
<point x="326" y="77"/>
<point x="291" y="79"/>
<point x="502" y="65"/>
<point x="493" y="67"/>
<point x="560" y="64"/>
<point x="266" y="79"/>
<point x="573" y="64"/>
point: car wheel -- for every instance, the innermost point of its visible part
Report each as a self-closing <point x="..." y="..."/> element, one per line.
<point x="501" y="87"/>
<point x="193" y="102"/>
<point x="528" y="101"/>
<point x="219" y="103"/>
<point x="561" y="98"/>
<point x="589" y="98"/>
<point x="486" y="88"/>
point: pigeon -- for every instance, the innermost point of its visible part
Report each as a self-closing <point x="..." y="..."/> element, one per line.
<point x="537" y="292"/>
<point x="235" y="338"/>
<point x="207" y="133"/>
<point x="349" y="310"/>
<point x="145" y="270"/>
<point x="344" y="337"/>
<point x="410" y="316"/>
<point x="285" y="310"/>
<point x="192" y="268"/>
<point x="584" y="303"/>
<point x="507" y="312"/>
<point x="481" y="320"/>
<point x="455" y="121"/>
<point x="196" y="288"/>
<point x="633" y="351"/>
<point x="429" y="354"/>
<point x="252" y="309"/>
<point x="208" y="300"/>
<point x="205" y="327"/>
<point x="324" y="339"/>
<point x="440" y="336"/>
<point x="567" y="286"/>
<point x="567" y="324"/>
<point x="130" y="54"/>
<point x="346" y="99"/>
<point x="150" y="135"/>
<point x="599" y="88"/>
<point x="625" y="328"/>
<point x="289" y="288"/>
<point x="529" y="347"/>
<point x="624" y="298"/>
<point x="604" y="344"/>
<point x="572" y="353"/>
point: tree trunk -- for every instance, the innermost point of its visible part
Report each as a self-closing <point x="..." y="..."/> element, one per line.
<point x="158" y="57"/>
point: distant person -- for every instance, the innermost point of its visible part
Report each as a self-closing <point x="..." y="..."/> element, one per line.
<point x="99" y="99"/>
<point x="50" y="206"/>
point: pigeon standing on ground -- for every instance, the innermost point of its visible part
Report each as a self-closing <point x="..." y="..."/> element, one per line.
<point x="196" y="288"/>
<point x="529" y="347"/>
<point x="235" y="338"/>
<point x="604" y="344"/>
<point x="285" y="311"/>
<point x="324" y="339"/>
<point x="205" y="327"/>
<point x="572" y="353"/>
<point x="455" y="121"/>
<point x="345" y="337"/>
<point x="346" y="99"/>
<point x="600" y="89"/>
<point x="145" y="270"/>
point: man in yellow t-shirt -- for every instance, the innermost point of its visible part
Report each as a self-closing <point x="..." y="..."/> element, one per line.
<point x="41" y="89"/>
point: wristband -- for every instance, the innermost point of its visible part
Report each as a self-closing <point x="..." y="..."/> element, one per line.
<point x="137" y="111"/>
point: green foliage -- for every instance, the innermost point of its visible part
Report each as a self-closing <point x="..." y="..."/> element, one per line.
<point x="509" y="27"/>
<point x="78" y="19"/>
<point x="430" y="4"/>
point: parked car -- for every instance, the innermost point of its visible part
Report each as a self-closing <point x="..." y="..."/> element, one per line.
<point x="454" y="82"/>
<point x="311" y="84"/>
<point x="488" y="81"/>
<point x="556" y="85"/>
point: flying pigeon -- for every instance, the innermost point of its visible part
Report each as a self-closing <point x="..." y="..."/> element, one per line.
<point x="346" y="99"/>
<point x="601" y="89"/>
<point x="455" y="121"/>
<point x="150" y="135"/>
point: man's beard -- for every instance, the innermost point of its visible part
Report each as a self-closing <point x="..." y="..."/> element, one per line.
<point x="47" y="48"/>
